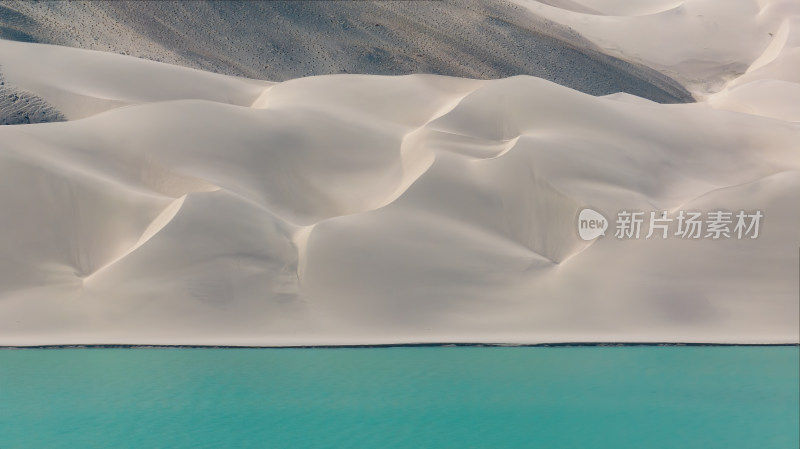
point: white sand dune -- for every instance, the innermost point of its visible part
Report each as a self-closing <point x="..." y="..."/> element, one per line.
<point x="85" y="84"/>
<point x="704" y="44"/>
<point x="183" y="207"/>
<point x="771" y="85"/>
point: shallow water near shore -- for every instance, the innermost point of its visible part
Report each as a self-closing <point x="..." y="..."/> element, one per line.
<point x="407" y="397"/>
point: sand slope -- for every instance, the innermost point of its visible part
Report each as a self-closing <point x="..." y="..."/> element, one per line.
<point x="183" y="207"/>
<point x="704" y="44"/>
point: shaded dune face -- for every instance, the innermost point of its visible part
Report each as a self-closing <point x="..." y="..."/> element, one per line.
<point x="285" y="40"/>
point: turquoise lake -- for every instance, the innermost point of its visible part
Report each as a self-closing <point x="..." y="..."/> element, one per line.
<point x="642" y="397"/>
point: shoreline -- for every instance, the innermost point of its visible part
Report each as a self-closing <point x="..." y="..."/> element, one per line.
<point x="393" y="345"/>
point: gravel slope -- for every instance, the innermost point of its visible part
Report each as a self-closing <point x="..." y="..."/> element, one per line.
<point x="285" y="40"/>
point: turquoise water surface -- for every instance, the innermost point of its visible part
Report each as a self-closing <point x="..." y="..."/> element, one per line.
<point x="414" y="397"/>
